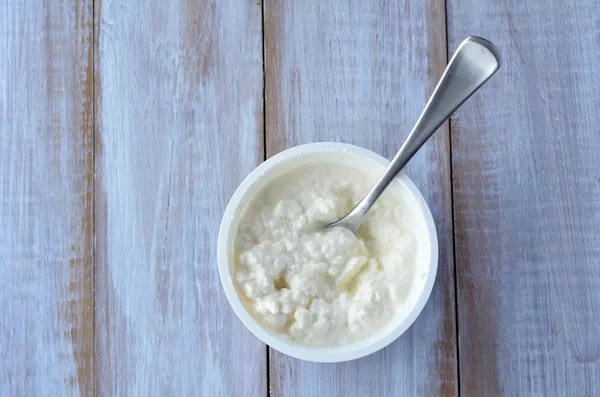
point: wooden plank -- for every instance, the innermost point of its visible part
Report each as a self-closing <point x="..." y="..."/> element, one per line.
<point x="46" y="327"/>
<point x="361" y="73"/>
<point x="526" y="161"/>
<point x="179" y="89"/>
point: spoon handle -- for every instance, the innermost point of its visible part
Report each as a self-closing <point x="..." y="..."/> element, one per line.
<point x="473" y="63"/>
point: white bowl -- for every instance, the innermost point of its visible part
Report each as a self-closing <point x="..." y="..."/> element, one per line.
<point x="427" y="258"/>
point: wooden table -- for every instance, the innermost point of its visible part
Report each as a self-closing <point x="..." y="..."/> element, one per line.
<point x="125" y="127"/>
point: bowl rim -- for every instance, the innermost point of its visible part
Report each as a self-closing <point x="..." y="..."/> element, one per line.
<point x="339" y="353"/>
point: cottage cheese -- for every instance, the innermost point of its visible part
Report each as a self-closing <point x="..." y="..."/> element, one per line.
<point x="324" y="287"/>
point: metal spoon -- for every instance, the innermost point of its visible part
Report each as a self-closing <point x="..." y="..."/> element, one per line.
<point x="473" y="63"/>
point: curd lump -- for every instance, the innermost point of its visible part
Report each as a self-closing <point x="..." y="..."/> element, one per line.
<point x="324" y="287"/>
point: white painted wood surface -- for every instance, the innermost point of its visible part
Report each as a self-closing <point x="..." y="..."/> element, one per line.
<point x="179" y="91"/>
<point x="360" y="73"/>
<point x="526" y="165"/>
<point x="163" y="102"/>
<point x="46" y="321"/>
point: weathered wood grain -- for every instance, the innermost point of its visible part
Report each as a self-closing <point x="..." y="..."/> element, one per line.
<point x="360" y="73"/>
<point x="526" y="175"/>
<point x="179" y="90"/>
<point x="46" y="302"/>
